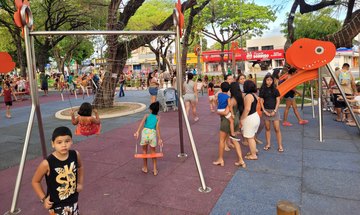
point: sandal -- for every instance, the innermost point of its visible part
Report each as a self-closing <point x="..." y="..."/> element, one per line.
<point x="266" y="148"/>
<point x="280" y="150"/>
<point x="144" y="170"/>
<point x="243" y="164"/>
<point x="221" y="163"/>
<point x="249" y="153"/>
<point x="286" y="123"/>
<point x="303" y="122"/>
<point x="250" y="158"/>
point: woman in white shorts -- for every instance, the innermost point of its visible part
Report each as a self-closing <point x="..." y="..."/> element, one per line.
<point x="250" y="119"/>
<point x="190" y="97"/>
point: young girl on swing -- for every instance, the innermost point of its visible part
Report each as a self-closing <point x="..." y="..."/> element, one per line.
<point x="86" y="123"/>
<point x="151" y="129"/>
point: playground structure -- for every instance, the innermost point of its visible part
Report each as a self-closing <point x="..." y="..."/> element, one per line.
<point x="23" y="18"/>
<point x="321" y="53"/>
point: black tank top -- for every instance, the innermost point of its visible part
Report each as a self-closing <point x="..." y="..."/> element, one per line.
<point x="62" y="180"/>
<point x="253" y="105"/>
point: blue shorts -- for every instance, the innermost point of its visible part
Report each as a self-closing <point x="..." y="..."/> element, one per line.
<point x="153" y="91"/>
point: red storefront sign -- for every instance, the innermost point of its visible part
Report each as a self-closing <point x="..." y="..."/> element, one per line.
<point x="240" y="55"/>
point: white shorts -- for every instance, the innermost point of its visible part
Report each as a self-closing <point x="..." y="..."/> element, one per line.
<point x="212" y="98"/>
<point x="223" y="110"/>
<point x="250" y="125"/>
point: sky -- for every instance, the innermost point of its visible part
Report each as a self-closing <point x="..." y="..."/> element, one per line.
<point x="274" y="27"/>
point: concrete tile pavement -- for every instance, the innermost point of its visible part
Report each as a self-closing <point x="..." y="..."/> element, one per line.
<point x="319" y="177"/>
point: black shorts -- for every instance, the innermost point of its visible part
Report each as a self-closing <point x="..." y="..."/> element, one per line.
<point x="9" y="103"/>
<point x="341" y="103"/>
<point x="290" y="94"/>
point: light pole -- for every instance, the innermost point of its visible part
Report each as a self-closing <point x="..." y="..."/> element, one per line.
<point x="228" y="49"/>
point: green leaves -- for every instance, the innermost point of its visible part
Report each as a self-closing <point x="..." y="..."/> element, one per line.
<point x="314" y="25"/>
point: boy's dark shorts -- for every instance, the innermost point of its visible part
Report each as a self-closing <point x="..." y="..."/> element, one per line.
<point x="69" y="210"/>
<point x="9" y="103"/>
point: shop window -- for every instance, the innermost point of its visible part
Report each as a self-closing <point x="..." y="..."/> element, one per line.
<point x="267" y="47"/>
<point x="251" y="49"/>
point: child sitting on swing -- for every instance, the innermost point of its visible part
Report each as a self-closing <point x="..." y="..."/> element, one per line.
<point x="86" y="123"/>
<point x="150" y="122"/>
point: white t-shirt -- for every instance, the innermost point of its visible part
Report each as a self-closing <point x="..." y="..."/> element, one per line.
<point x="357" y="99"/>
<point x="199" y="85"/>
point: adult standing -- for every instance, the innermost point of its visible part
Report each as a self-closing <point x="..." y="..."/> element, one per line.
<point x="270" y="101"/>
<point x="241" y="80"/>
<point x="44" y="82"/>
<point x="153" y="85"/>
<point x="237" y="104"/>
<point x="250" y="119"/>
<point x="122" y="82"/>
<point x="291" y="102"/>
<point x="191" y="96"/>
<point x="347" y="84"/>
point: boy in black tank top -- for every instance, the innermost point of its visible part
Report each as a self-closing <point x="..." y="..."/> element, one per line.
<point x="64" y="176"/>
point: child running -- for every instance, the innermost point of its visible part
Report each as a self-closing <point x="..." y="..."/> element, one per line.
<point x="211" y="94"/>
<point x="270" y="101"/>
<point x="151" y="129"/>
<point x="7" y="92"/>
<point x="224" y="109"/>
<point x="86" y="123"/>
<point x="64" y="175"/>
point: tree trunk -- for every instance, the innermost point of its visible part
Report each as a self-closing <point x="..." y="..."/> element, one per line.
<point x="347" y="33"/>
<point x="21" y="59"/>
<point x="117" y="51"/>
<point x="105" y="95"/>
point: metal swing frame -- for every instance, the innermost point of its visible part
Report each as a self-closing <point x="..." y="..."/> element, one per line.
<point x="27" y="22"/>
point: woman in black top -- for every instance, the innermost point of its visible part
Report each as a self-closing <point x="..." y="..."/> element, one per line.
<point x="270" y="101"/>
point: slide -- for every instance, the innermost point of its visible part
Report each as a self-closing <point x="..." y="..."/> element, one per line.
<point x="300" y="77"/>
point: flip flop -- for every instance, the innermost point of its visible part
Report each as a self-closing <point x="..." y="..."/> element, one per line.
<point x="266" y="148"/>
<point x="280" y="150"/>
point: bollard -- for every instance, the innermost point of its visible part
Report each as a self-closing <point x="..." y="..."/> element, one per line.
<point x="287" y="208"/>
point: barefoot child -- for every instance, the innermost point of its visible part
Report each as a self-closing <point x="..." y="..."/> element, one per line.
<point x="7" y="92"/>
<point x="270" y="101"/>
<point x="224" y="109"/>
<point x="86" y="123"/>
<point x="211" y="94"/>
<point x="151" y="129"/>
<point x="64" y="175"/>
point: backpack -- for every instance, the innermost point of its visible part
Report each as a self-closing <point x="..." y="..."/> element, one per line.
<point x="344" y="78"/>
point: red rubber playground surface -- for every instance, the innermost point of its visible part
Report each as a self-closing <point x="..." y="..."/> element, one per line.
<point x="114" y="183"/>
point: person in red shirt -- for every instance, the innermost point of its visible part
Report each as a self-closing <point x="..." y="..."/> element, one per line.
<point x="7" y="92"/>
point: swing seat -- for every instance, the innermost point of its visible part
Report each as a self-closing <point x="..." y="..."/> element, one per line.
<point x="151" y="155"/>
<point x="87" y="130"/>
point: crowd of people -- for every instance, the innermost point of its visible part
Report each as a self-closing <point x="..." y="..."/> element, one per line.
<point x="243" y="111"/>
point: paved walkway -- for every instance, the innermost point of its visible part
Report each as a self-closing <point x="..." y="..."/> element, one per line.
<point x="322" y="178"/>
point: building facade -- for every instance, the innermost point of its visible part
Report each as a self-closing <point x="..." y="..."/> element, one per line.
<point x="269" y="53"/>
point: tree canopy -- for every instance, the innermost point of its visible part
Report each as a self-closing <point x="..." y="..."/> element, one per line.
<point x="314" y="25"/>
